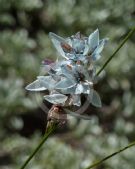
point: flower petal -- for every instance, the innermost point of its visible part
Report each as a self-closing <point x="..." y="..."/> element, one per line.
<point x="45" y="68"/>
<point x="81" y="57"/>
<point x="79" y="89"/>
<point x="64" y="84"/>
<point x="36" y="86"/>
<point x="66" y="72"/>
<point x="70" y="90"/>
<point x="57" y="40"/>
<point x="86" y="88"/>
<point x="76" y="100"/>
<point x="95" y="99"/>
<point x="86" y="49"/>
<point x="96" y="54"/>
<point x="56" y="98"/>
<point x="48" y="81"/>
<point x="78" y="45"/>
<point x="82" y="88"/>
<point x="69" y="41"/>
<point x="100" y="46"/>
<point x="93" y="40"/>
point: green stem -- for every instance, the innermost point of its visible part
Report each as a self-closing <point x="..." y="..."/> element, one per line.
<point x="111" y="155"/>
<point x="118" y="48"/>
<point x="38" y="147"/>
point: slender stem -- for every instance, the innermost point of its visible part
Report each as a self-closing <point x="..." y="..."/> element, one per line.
<point x="118" y="48"/>
<point x="52" y="129"/>
<point x="111" y="155"/>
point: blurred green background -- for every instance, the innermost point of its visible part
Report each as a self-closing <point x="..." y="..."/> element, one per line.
<point x="24" y="43"/>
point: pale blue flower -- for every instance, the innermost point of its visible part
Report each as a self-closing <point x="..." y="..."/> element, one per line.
<point x="66" y="80"/>
<point x="79" y="48"/>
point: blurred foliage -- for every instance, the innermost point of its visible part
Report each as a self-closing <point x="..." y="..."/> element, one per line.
<point x="24" y="43"/>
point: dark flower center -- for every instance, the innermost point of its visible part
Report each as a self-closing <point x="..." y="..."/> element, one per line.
<point x="80" y="77"/>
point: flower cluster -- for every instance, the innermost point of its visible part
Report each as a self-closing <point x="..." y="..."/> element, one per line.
<point x="72" y="75"/>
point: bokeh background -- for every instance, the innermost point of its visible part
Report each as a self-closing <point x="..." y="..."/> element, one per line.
<point x="24" y="43"/>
